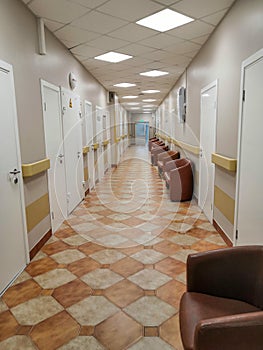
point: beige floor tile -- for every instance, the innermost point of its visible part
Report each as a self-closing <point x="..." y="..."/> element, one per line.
<point x="68" y="256"/>
<point x="107" y="256"/>
<point x="151" y="343"/>
<point x="148" y="256"/>
<point x="101" y="278"/>
<point x="36" y="310"/>
<point x="17" y="342"/>
<point x="183" y="239"/>
<point x="99" y="308"/>
<point x="155" y="311"/>
<point x="54" y="278"/>
<point x="82" y="343"/>
<point x="149" y="279"/>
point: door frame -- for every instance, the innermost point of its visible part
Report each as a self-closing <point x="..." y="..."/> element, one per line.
<point x="9" y="69"/>
<point x="91" y="180"/>
<point x="247" y="62"/>
<point x="208" y="87"/>
<point x="43" y="84"/>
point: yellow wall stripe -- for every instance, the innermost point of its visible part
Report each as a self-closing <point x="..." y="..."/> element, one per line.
<point x="35" y="168"/>
<point x="37" y="211"/>
<point x="225" y="204"/>
<point x="86" y="174"/>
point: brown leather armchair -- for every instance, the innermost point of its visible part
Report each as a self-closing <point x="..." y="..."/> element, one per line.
<point x="223" y="306"/>
<point x="157" y="150"/>
<point x="178" y="176"/>
<point x="164" y="158"/>
<point x="152" y="140"/>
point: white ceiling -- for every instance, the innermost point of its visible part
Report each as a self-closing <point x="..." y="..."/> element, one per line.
<point x="92" y="27"/>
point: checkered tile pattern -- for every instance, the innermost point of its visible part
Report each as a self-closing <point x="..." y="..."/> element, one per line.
<point x="112" y="276"/>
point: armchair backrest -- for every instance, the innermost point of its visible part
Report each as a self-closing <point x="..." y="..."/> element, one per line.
<point x="235" y="273"/>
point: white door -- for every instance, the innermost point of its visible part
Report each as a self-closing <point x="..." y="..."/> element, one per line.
<point x="13" y="243"/>
<point x="108" y="149"/>
<point x="99" y="139"/>
<point x="51" y="105"/>
<point x="89" y="142"/>
<point x="249" y="218"/>
<point x="72" y="132"/>
<point x="207" y="147"/>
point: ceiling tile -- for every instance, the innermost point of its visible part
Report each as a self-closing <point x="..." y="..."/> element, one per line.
<point x="192" y="30"/>
<point x="160" y="41"/>
<point x="53" y="25"/>
<point x="128" y="10"/>
<point x="201" y="39"/>
<point x="60" y="10"/>
<point x="86" y="51"/>
<point x="107" y="43"/>
<point x="133" y="32"/>
<point x="76" y="35"/>
<point x="183" y="47"/>
<point x="67" y="43"/>
<point x="215" y="18"/>
<point x="166" y="2"/>
<point x="98" y="22"/>
<point x="136" y="49"/>
<point x="201" y="8"/>
<point x="89" y="3"/>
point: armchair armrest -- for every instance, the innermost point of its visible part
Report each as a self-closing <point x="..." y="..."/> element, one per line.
<point x="230" y="273"/>
<point x="242" y="332"/>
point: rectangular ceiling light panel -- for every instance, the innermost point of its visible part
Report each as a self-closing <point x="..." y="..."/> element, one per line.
<point x="113" y="57"/>
<point x="165" y="20"/>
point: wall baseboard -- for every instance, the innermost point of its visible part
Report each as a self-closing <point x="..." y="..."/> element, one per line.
<point x="40" y="244"/>
<point x="222" y="234"/>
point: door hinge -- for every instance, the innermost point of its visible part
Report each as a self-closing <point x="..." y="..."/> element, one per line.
<point x="236" y="234"/>
<point x="244" y="95"/>
<point x="45" y="106"/>
<point x="52" y="215"/>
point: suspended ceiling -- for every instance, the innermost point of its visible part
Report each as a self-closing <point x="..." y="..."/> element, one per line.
<point x="89" y="28"/>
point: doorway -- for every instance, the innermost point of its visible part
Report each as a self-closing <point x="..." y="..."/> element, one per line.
<point x="51" y="106"/>
<point x="89" y="141"/>
<point x="72" y="135"/>
<point x="208" y="117"/>
<point x="249" y="191"/>
<point x="13" y="239"/>
<point x="99" y="140"/>
<point x="141" y="133"/>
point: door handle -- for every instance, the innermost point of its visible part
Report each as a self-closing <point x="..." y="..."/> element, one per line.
<point x="15" y="172"/>
<point x="61" y="156"/>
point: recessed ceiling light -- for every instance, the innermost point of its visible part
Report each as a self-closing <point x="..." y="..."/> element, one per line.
<point x="124" y="85"/>
<point x="150" y="91"/>
<point x="154" y="73"/>
<point x="146" y="112"/>
<point x="135" y="108"/>
<point x="132" y="103"/>
<point x="130" y="97"/>
<point x="149" y="106"/>
<point x="149" y="100"/>
<point x="113" y="57"/>
<point x="165" y="20"/>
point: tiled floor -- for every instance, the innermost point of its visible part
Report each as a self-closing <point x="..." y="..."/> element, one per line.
<point x="113" y="274"/>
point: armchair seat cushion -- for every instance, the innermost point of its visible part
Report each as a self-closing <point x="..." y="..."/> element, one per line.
<point x="205" y="307"/>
